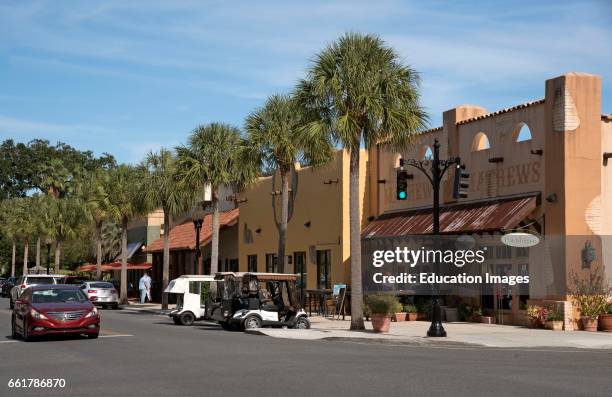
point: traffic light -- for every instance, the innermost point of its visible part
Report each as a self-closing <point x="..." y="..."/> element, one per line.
<point x="402" y="185"/>
<point x="461" y="183"/>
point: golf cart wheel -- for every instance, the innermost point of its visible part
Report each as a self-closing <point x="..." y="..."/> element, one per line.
<point x="176" y="320"/>
<point x="302" y="322"/>
<point x="187" y="318"/>
<point x="252" y="322"/>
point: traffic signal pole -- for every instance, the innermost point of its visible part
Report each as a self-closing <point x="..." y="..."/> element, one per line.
<point x="434" y="170"/>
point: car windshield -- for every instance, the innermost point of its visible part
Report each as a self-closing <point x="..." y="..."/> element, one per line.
<point x="56" y="295"/>
<point x="101" y="285"/>
<point x="39" y="280"/>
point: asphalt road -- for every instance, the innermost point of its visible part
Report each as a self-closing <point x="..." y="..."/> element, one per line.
<point x="147" y="355"/>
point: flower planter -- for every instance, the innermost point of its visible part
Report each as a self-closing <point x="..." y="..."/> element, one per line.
<point x="554" y="325"/>
<point x="534" y="323"/>
<point x="605" y="322"/>
<point x="397" y="317"/>
<point x="589" y="324"/>
<point x="412" y="316"/>
<point x="421" y="316"/>
<point x="487" y="320"/>
<point x="381" y="322"/>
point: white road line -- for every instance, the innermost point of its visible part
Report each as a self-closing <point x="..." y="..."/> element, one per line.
<point x="9" y="341"/>
<point x="114" y="336"/>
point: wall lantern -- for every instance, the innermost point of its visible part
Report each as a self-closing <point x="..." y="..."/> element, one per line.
<point x="589" y="255"/>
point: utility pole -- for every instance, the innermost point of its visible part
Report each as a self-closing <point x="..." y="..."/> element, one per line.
<point x="434" y="170"/>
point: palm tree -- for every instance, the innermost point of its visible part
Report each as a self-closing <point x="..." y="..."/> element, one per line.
<point x="126" y="202"/>
<point x="67" y="214"/>
<point x="96" y="191"/>
<point x="215" y="155"/>
<point x="360" y="94"/>
<point x="162" y="189"/>
<point x="42" y="215"/>
<point x="274" y="142"/>
<point x="24" y="225"/>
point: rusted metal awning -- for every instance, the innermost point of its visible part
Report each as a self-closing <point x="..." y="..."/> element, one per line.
<point x="488" y="216"/>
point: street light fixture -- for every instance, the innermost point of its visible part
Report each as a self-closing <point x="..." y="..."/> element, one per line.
<point x="434" y="170"/>
<point x="197" y="224"/>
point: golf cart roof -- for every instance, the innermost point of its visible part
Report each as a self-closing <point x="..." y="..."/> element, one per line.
<point x="259" y="276"/>
<point x="181" y="284"/>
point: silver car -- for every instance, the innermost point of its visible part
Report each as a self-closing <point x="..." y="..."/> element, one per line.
<point x="28" y="280"/>
<point x="101" y="293"/>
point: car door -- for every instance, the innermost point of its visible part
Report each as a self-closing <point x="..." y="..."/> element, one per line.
<point x="22" y="309"/>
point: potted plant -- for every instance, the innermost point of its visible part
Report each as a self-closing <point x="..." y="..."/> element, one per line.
<point x="537" y="316"/>
<point x="399" y="314"/>
<point x="605" y="319"/>
<point x="464" y="311"/>
<point x="422" y="310"/>
<point x="487" y="318"/>
<point x="554" y="321"/>
<point x="411" y="312"/>
<point x="476" y="314"/>
<point x="381" y="308"/>
<point x="590" y="294"/>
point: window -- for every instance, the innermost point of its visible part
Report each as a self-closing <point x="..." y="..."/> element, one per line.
<point x="271" y="266"/>
<point x="323" y="269"/>
<point x="521" y="133"/>
<point x="233" y="265"/>
<point x="252" y="263"/>
<point x="480" y="142"/>
<point x="57" y="295"/>
<point x="299" y="268"/>
<point x="40" y="280"/>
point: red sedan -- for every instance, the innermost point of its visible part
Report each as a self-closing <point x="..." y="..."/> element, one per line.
<point x="54" y="309"/>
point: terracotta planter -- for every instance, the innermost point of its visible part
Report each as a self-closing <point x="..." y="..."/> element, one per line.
<point x="554" y="325"/>
<point x="589" y="324"/>
<point x="412" y="316"/>
<point x="421" y="316"/>
<point x="487" y="320"/>
<point x="381" y="322"/>
<point x="397" y="317"/>
<point x="605" y="322"/>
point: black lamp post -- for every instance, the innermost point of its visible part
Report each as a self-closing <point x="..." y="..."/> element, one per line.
<point x="434" y="171"/>
<point x="197" y="224"/>
<point x="48" y="255"/>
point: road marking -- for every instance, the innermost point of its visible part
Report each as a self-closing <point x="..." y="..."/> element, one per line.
<point x="114" y="336"/>
<point x="9" y="341"/>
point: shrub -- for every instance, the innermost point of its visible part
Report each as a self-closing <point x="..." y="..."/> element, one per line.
<point x="554" y="315"/>
<point x="590" y="293"/>
<point x="410" y="308"/>
<point x="383" y="304"/>
<point x="464" y="311"/>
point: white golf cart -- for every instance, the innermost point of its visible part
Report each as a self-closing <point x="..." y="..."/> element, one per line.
<point x="192" y="293"/>
<point x="253" y="300"/>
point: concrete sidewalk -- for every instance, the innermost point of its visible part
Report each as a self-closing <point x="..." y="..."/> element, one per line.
<point x="459" y="334"/>
<point x="151" y="308"/>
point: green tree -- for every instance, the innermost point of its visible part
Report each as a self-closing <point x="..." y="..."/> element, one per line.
<point x="126" y="203"/>
<point x="215" y="155"/>
<point x="358" y="93"/>
<point x="67" y="214"/>
<point x="25" y="225"/>
<point x="273" y="140"/>
<point x="9" y="227"/>
<point x="162" y="189"/>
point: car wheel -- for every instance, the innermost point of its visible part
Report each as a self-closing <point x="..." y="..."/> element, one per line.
<point x="25" y="333"/>
<point x="13" y="328"/>
<point x="251" y="322"/>
<point x="176" y="320"/>
<point x="302" y="322"/>
<point x="115" y="306"/>
<point x="187" y="318"/>
<point x="93" y="336"/>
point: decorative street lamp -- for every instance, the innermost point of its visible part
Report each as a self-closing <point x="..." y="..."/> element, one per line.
<point x="197" y="224"/>
<point x="434" y="171"/>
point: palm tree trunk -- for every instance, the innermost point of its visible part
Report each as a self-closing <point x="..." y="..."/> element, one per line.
<point x="355" y="242"/>
<point x="26" y="246"/>
<point x="99" y="251"/>
<point x="38" y="252"/>
<point x="282" y="229"/>
<point x="58" y="254"/>
<point x="214" y="248"/>
<point x="14" y="258"/>
<point x="124" y="229"/>
<point x="166" y="260"/>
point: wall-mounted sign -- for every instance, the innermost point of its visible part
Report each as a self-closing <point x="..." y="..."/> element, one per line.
<point x="520" y="239"/>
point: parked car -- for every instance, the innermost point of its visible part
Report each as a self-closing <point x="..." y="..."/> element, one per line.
<point x="101" y="293"/>
<point x="31" y="279"/>
<point x="6" y="286"/>
<point x="253" y="300"/>
<point x="192" y="293"/>
<point x="54" y="309"/>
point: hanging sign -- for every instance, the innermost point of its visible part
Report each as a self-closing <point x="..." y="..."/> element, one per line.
<point x="520" y="239"/>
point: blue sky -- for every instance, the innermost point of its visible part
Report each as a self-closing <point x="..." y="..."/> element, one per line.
<point x="126" y="77"/>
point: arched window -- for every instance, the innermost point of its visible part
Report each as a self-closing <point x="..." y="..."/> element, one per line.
<point x="480" y="142"/>
<point x="521" y="133"/>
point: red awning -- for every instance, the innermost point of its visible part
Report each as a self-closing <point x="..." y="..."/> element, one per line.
<point x="488" y="216"/>
<point x="115" y="266"/>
